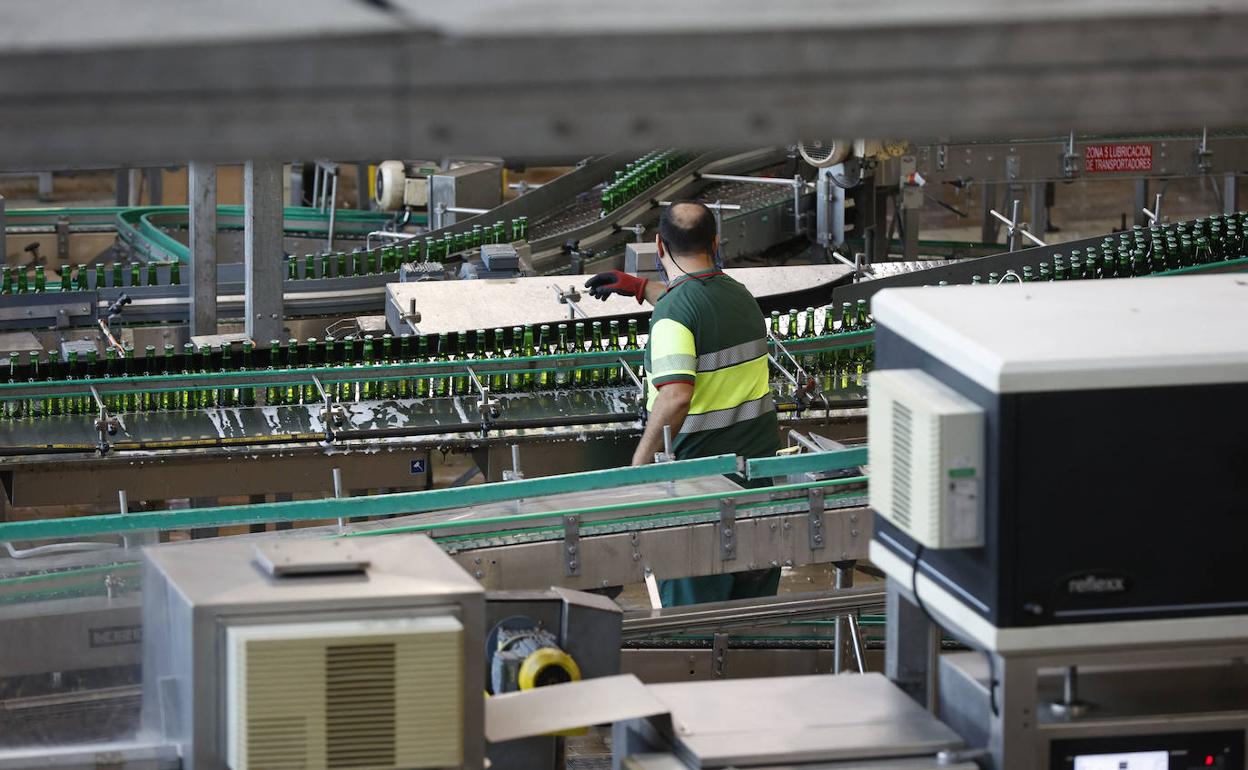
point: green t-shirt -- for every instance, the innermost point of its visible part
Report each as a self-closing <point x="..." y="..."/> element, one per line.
<point x="708" y="330"/>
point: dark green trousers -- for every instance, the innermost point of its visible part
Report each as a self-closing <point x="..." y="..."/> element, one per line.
<point x="720" y="588"/>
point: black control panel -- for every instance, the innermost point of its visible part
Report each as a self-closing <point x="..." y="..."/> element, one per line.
<point x="1177" y="751"/>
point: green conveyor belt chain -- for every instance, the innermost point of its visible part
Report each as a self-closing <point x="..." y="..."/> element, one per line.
<point x="508" y="527"/>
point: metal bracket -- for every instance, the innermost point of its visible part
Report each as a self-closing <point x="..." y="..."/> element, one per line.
<point x="106" y="425"/>
<point x="486" y="406"/>
<point x="719" y="656"/>
<point x="727" y="529"/>
<point x="1013" y="226"/>
<point x="641" y="389"/>
<point x="815" y="523"/>
<point x="1204" y="155"/>
<point x="805" y="387"/>
<point x="571" y="546"/>
<point x="333" y="414"/>
<point x="1070" y="161"/>
<point x="62" y="240"/>
<point x="570" y="298"/>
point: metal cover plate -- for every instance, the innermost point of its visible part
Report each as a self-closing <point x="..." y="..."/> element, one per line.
<point x="799" y="719"/>
<point x="568" y="706"/>
<point x="309" y="557"/>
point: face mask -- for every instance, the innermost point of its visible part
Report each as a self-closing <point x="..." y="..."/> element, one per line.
<point x="662" y="271"/>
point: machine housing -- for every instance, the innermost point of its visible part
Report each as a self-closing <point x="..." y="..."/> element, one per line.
<point x="1156" y="372"/>
<point x="202" y="601"/>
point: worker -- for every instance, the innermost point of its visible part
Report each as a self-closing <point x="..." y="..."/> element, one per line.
<point x="706" y="363"/>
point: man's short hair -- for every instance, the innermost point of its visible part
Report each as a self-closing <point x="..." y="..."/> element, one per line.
<point x="687" y="227"/>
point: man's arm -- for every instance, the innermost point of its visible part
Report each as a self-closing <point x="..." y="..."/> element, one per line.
<point x="671" y="407"/>
<point x="652" y="291"/>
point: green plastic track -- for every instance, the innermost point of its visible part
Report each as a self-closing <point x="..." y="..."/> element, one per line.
<point x="376" y="505"/>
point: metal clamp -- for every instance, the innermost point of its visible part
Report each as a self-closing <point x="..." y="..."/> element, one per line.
<point x="805" y="388"/>
<point x="106" y="425"/>
<point x="1070" y="161"/>
<point x="727" y="529"/>
<point x="571" y="546"/>
<point x="1014" y="227"/>
<point x="333" y="415"/>
<point x="570" y="298"/>
<point x="815" y="519"/>
<point x="719" y="656"/>
<point x="486" y="406"/>
<point x="1204" y="155"/>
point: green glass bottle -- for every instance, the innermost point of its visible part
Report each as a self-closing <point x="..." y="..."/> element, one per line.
<point x="247" y="395"/>
<point x="632" y="343"/>
<point x="11" y="409"/>
<point x="325" y="262"/>
<point x="308" y="358"/>
<point x="809" y="359"/>
<point x="207" y="396"/>
<point x="368" y="388"/>
<point x="346" y="388"/>
<point x="460" y="383"/>
<point x="387" y="388"/>
<point x="167" y="397"/>
<point x="147" y="400"/>
<point x="188" y="398"/>
<point x="442" y="382"/>
<point x="116" y="269"/>
<point x="227" y="397"/>
<point x="23" y="286"/>
<point x="615" y="372"/>
<point x="272" y="392"/>
<point x="423" y="385"/>
<point x="54" y="405"/>
<point x="152" y="279"/>
<point x="309" y="266"/>
<point x="1203" y="254"/>
<point x="775" y="327"/>
<point x="516" y="380"/>
<point x="7" y="286"/>
<point x="41" y="282"/>
<point x="135" y="274"/>
<point x="34" y="407"/>
<point x="580" y="375"/>
<point x="130" y="399"/>
<point x="110" y="366"/>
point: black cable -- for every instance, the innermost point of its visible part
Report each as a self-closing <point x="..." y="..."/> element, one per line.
<point x="918" y="600"/>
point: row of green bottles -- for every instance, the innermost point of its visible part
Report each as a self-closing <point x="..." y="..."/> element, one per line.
<point x="388" y="259"/>
<point x="1144" y="251"/>
<point x="76" y="278"/>
<point x="639" y="176"/>
<point x="836" y="368"/>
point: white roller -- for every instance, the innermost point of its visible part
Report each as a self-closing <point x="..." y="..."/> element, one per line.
<point x="391" y="176"/>
<point x="823" y="153"/>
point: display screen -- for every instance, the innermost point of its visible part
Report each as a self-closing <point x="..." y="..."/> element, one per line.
<point x="1135" y="760"/>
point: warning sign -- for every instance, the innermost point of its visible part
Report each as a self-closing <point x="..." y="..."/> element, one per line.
<point x="1111" y="158"/>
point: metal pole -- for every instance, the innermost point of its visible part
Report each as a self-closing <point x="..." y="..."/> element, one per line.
<point x="989" y="230"/>
<point x="4" y="251"/>
<point x="155" y="186"/>
<point x="262" y="256"/>
<point x="1141" y="202"/>
<point x="843" y="577"/>
<point x="1035" y="199"/>
<point x="122" y="190"/>
<point x="363" y="193"/>
<point x="333" y="211"/>
<point x="1016" y="204"/>
<point x="338" y="491"/>
<point x="202" y="183"/>
<point x="1230" y="194"/>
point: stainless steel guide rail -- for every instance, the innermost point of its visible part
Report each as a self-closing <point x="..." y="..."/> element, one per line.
<point x="521" y="524"/>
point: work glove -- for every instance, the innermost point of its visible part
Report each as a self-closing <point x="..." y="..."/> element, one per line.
<point x="604" y="285"/>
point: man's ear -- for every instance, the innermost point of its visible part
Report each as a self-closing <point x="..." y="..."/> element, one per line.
<point x="658" y="241"/>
